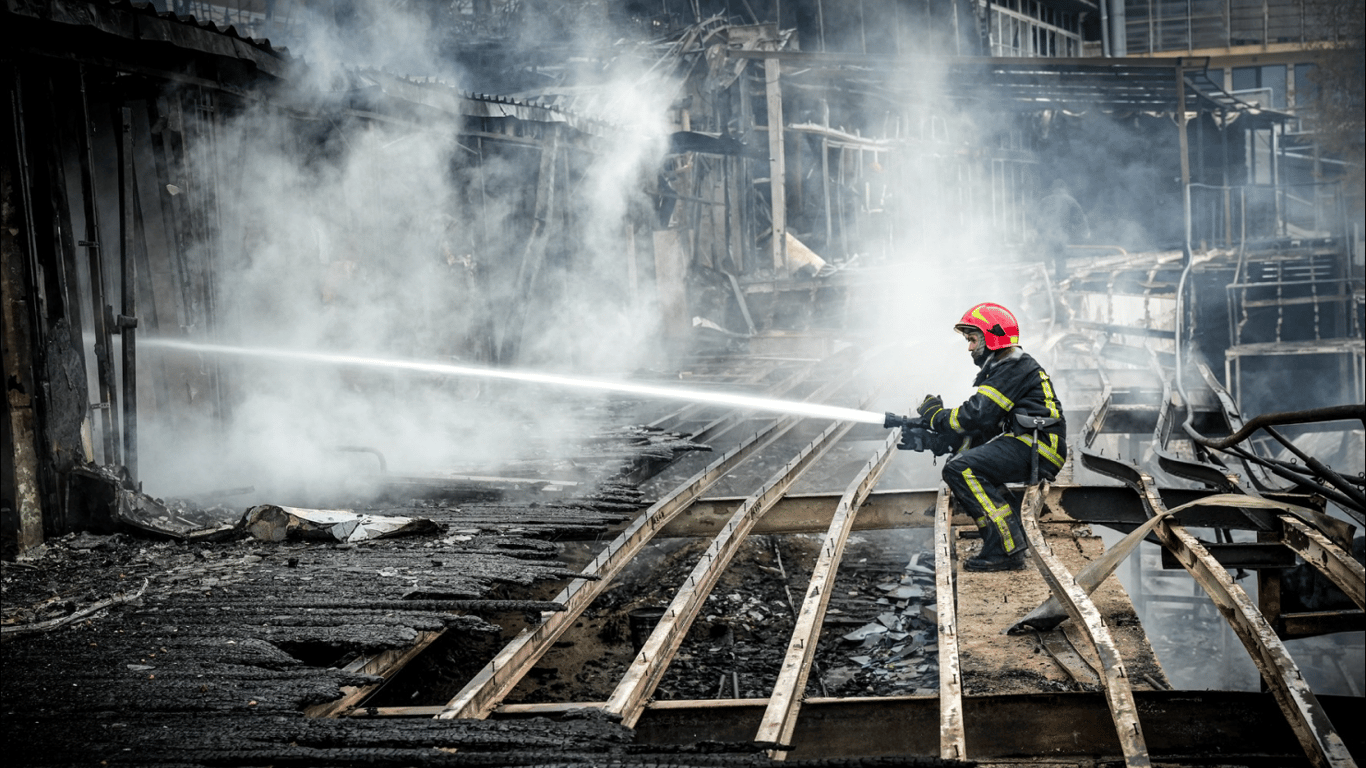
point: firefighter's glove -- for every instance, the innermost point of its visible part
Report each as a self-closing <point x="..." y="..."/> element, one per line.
<point x="912" y="439"/>
<point x="928" y="407"/>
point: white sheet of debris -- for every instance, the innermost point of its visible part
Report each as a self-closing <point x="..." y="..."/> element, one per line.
<point x="273" y="522"/>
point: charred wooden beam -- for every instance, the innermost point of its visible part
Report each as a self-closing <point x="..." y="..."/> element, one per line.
<point x="487" y="688"/>
<point x="1306" y="718"/>
<point x="780" y="718"/>
<point x="384" y="664"/>
<point x="642" y="677"/>
<point x="1315" y="731"/>
<point x="952" y="734"/>
<point x="1118" y="694"/>
<point x="1327" y="557"/>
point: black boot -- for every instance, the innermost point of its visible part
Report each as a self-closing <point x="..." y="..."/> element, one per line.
<point x="993" y="556"/>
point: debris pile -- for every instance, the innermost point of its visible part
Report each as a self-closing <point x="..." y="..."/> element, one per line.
<point x="897" y="652"/>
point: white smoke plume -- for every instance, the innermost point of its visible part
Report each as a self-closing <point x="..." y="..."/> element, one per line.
<point x="402" y="238"/>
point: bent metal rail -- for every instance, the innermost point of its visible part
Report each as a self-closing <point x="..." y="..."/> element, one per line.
<point x="1305" y="715"/>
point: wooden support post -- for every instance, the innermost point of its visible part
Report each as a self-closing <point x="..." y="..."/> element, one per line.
<point x="127" y="321"/>
<point x="100" y="314"/>
<point x="17" y="345"/>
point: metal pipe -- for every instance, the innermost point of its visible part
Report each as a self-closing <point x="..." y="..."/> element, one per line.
<point x="1320" y="468"/>
<point x="1312" y="416"/>
<point x="1301" y="481"/>
<point x="1186" y="254"/>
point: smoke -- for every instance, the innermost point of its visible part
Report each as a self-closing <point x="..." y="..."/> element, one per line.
<point x="365" y="222"/>
<point x="400" y="237"/>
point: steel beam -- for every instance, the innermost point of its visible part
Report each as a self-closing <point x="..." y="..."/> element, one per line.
<point x="780" y="717"/>
<point x="642" y="677"/>
<point x="1222" y="727"/>
<point x="810" y="513"/>
<point x="1247" y="555"/>
<point x="1074" y="599"/>
<point x="1302" y="711"/>
<point x="1112" y="506"/>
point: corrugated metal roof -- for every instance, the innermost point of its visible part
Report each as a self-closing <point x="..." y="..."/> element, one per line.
<point x="142" y="21"/>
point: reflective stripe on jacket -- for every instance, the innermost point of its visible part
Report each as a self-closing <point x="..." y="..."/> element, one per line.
<point x="1013" y="384"/>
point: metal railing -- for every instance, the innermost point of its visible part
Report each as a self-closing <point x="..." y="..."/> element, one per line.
<point x="1232" y="216"/>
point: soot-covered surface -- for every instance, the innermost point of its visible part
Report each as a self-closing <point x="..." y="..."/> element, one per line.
<point x="121" y="649"/>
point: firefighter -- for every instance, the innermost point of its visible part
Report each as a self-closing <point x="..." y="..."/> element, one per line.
<point x="1012" y="426"/>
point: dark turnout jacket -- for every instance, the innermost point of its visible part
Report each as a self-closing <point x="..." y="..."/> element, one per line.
<point x="1014" y="384"/>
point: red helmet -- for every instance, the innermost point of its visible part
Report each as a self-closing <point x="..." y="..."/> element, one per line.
<point x="996" y="324"/>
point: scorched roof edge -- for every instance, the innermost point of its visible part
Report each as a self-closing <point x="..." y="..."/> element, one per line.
<point x="145" y="22"/>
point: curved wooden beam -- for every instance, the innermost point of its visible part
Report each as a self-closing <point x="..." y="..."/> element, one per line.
<point x="1327" y="557"/>
<point x="1075" y="600"/>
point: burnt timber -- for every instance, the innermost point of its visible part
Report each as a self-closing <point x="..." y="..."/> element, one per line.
<point x="232" y="628"/>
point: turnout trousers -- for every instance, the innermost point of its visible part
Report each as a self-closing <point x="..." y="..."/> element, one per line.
<point x="977" y="478"/>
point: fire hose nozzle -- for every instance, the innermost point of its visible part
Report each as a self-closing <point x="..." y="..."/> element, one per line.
<point x="892" y="421"/>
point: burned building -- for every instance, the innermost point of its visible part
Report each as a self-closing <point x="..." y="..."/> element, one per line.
<point x="427" y="383"/>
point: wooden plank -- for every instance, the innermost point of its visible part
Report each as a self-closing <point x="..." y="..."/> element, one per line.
<point x="642" y="676"/>
<point x="952" y="736"/>
<point x="780" y="717"/>
<point x="486" y="689"/>
<point x="482" y="694"/>
<point x="1073" y="597"/>
<point x="1328" y="558"/>
<point x="386" y="664"/>
<point x="812" y="513"/>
